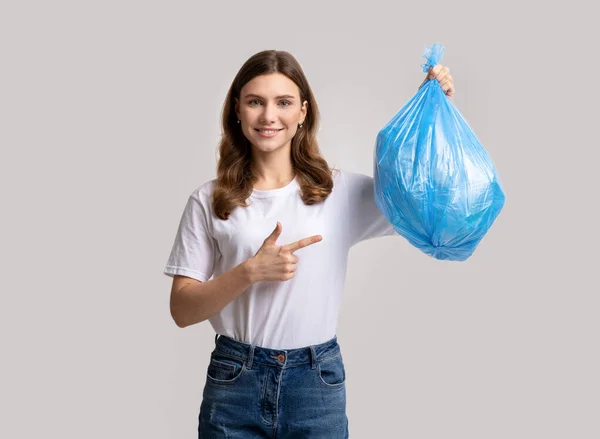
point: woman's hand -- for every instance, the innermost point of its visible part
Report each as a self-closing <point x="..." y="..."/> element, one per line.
<point x="274" y="262"/>
<point x="442" y="74"/>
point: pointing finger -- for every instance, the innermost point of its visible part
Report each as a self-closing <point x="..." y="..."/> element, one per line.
<point x="305" y="242"/>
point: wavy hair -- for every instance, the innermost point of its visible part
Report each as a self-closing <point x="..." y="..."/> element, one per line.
<point x="235" y="178"/>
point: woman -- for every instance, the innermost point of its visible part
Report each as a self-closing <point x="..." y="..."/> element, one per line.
<point x="273" y="230"/>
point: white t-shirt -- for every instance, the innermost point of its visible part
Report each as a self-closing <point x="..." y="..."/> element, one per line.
<point x="280" y="314"/>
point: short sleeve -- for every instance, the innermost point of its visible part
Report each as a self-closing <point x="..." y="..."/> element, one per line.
<point x="365" y="219"/>
<point x="194" y="251"/>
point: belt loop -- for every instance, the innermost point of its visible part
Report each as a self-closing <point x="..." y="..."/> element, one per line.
<point x="216" y="336"/>
<point x="250" y="357"/>
<point x="313" y="357"/>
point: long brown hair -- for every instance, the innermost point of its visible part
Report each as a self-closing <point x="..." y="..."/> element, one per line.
<point x="235" y="178"/>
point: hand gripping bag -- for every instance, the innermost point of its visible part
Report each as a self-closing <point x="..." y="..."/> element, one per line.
<point x="433" y="180"/>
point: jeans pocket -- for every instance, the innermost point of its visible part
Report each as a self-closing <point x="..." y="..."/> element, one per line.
<point x="224" y="369"/>
<point x="331" y="371"/>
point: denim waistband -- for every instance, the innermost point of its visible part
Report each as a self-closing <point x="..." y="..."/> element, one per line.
<point x="276" y="357"/>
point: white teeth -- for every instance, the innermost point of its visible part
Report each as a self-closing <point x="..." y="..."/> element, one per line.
<point x="268" y="131"/>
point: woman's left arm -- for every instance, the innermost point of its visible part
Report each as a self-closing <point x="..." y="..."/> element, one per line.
<point x="442" y="74"/>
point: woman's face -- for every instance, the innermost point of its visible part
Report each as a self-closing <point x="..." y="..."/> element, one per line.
<point x="270" y="102"/>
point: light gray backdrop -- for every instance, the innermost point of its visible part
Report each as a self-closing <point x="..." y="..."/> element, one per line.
<point x="110" y="118"/>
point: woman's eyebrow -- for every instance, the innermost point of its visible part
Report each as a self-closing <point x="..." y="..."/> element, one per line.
<point x="276" y="97"/>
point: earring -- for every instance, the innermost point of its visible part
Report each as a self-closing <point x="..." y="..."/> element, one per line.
<point x="300" y="126"/>
<point x="239" y="121"/>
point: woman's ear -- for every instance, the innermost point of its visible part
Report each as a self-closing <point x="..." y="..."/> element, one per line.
<point x="304" y="109"/>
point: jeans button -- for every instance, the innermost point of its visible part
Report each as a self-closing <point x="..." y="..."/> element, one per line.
<point x="281" y="358"/>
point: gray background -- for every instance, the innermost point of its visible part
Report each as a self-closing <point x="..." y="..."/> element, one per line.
<point x="110" y="118"/>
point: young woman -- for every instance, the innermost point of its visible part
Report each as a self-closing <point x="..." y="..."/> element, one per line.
<point x="273" y="231"/>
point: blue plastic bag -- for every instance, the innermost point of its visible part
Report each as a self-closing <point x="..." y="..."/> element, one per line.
<point x="433" y="180"/>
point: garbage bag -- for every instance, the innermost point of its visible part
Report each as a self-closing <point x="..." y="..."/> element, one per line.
<point x="433" y="180"/>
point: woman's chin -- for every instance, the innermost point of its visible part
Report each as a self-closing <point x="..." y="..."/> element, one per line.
<point x="267" y="147"/>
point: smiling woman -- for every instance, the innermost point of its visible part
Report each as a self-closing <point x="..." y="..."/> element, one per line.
<point x="269" y="123"/>
<point x="277" y="367"/>
<point x="277" y="117"/>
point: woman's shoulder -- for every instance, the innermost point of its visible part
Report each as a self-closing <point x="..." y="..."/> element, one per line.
<point x="350" y="178"/>
<point x="204" y="191"/>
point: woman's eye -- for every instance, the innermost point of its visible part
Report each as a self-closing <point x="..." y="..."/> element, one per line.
<point x="288" y="103"/>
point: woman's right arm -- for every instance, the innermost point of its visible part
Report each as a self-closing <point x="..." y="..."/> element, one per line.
<point x="193" y="301"/>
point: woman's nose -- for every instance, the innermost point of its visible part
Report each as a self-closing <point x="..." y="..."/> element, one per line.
<point x="269" y="113"/>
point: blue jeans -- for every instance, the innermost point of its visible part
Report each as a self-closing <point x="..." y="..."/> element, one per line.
<point x="256" y="392"/>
